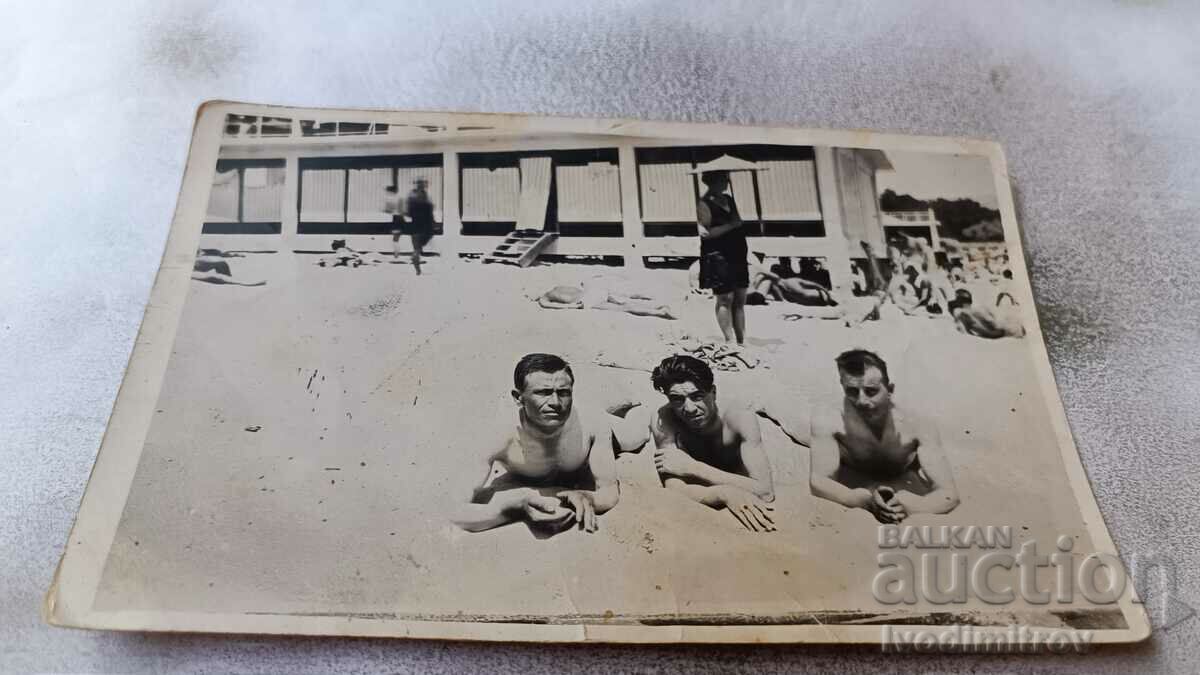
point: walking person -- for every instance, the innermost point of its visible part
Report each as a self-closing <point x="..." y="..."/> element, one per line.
<point x="419" y="210"/>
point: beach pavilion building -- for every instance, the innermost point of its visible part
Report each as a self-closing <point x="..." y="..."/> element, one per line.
<point x="297" y="184"/>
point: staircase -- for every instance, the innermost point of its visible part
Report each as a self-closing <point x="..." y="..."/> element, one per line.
<point x="521" y="247"/>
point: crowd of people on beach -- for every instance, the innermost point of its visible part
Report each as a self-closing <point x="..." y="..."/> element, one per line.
<point x="913" y="280"/>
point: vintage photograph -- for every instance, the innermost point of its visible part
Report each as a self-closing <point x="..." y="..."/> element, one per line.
<point x="511" y="378"/>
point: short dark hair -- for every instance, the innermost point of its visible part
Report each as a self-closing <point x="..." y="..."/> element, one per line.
<point x="539" y="363"/>
<point x="679" y="369"/>
<point x="856" y="361"/>
<point x="708" y="177"/>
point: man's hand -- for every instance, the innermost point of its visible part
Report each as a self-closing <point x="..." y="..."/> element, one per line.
<point x="883" y="504"/>
<point x="753" y="513"/>
<point x="673" y="462"/>
<point x="546" y="511"/>
<point x="906" y="502"/>
<point x="583" y="508"/>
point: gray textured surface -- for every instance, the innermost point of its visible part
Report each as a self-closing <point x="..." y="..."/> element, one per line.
<point x="1097" y="105"/>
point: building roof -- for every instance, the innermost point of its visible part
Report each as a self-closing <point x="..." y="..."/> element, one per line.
<point x="878" y="159"/>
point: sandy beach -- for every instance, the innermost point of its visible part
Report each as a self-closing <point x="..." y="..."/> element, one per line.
<point x="310" y="433"/>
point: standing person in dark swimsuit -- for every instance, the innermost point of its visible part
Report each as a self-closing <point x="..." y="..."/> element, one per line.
<point x="723" y="250"/>
<point x="419" y="210"/>
<point x="868" y="453"/>
<point x="712" y="454"/>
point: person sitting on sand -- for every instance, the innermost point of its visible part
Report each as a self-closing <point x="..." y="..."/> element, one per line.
<point x="912" y="292"/>
<point x="982" y="321"/>
<point x="555" y="468"/>
<point x="713" y="455"/>
<point x="868" y="453"/>
<point x="595" y="294"/>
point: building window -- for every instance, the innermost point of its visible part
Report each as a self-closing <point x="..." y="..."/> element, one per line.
<point x="581" y="190"/>
<point x="786" y="189"/>
<point x="668" y="192"/>
<point x="246" y="197"/>
<point x="589" y="193"/>
<point x="490" y="195"/>
<point x="348" y="195"/>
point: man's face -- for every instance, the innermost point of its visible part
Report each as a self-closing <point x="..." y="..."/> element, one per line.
<point x="868" y="393"/>
<point x="693" y="406"/>
<point x="546" y="399"/>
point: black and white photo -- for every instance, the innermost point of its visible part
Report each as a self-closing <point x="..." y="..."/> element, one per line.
<point x="513" y="378"/>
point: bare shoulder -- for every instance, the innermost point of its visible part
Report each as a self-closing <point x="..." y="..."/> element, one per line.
<point x="596" y="422"/>
<point x="496" y="436"/>
<point x="826" y="420"/>
<point x="915" y="424"/>
<point x="740" y="418"/>
<point x="662" y="423"/>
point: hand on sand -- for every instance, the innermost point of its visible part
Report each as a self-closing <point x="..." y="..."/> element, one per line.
<point x="905" y="500"/>
<point x="673" y="462"/>
<point x="885" y="506"/>
<point x="753" y="513"/>
<point x="582" y="507"/>
<point x="547" y="512"/>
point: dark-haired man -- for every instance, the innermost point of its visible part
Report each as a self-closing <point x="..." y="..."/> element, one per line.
<point x="710" y="453"/>
<point x="553" y="468"/>
<point x="867" y="453"/>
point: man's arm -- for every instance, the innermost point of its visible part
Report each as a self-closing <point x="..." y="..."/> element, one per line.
<point x="604" y="471"/>
<point x="944" y="496"/>
<point x="587" y="504"/>
<point x="752" y="512"/>
<point x="603" y="465"/>
<point x="704" y="222"/>
<point x="824" y="462"/>
<point x="672" y="461"/>
<point x="754" y="457"/>
<point x="662" y="431"/>
<point x="504" y="507"/>
<point x="705" y="494"/>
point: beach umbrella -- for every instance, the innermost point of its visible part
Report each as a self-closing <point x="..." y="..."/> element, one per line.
<point x="727" y="163"/>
